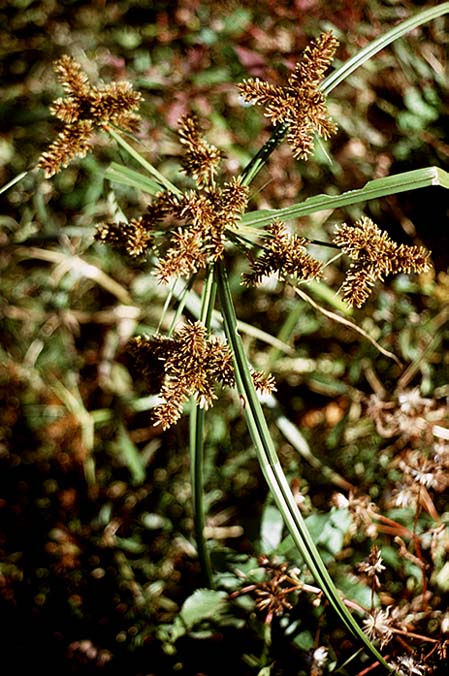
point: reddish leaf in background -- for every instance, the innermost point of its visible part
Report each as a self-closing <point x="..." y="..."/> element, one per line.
<point x="253" y="61"/>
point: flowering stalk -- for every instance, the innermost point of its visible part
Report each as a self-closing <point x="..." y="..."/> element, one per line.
<point x="273" y="472"/>
<point x="196" y="443"/>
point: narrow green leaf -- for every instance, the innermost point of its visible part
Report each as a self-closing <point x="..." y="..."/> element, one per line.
<point x="117" y="173"/>
<point x="334" y="79"/>
<point x="380" y="187"/>
<point x="162" y="181"/>
<point x="196" y="443"/>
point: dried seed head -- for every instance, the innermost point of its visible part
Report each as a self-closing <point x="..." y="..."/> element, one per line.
<point x="378" y="625"/>
<point x="285" y="255"/>
<point x="374" y="566"/>
<point x="374" y="256"/>
<point x="299" y="104"/>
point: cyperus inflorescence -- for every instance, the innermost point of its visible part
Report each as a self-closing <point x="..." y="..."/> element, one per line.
<point x="299" y="104"/>
<point x="188" y="364"/>
<point x="284" y="254"/>
<point x="197" y="220"/>
<point x="83" y="109"/>
<point x="374" y="255"/>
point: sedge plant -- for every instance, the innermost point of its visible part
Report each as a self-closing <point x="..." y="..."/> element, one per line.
<point x="186" y="233"/>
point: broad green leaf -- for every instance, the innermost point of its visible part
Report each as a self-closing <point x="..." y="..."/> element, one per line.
<point x="271" y="529"/>
<point x="380" y="187"/>
<point x="204" y="604"/>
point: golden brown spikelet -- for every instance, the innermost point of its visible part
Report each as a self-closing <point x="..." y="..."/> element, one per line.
<point x="73" y="141"/>
<point x="189" y="364"/>
<point x="300" y="105"/>
<point x="285" y="255"/>
<point x="200" y="159"/>
<point x="83" y="109"/>
<point x="71" y="76"/>
<point x="374" y="256"/>
<point x="263" y="382"/>
<point x="134" y="238"/>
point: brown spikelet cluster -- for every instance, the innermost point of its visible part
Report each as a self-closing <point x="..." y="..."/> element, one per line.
<point x="138" y="235"/>
<point x="188" y="364"/>
<point x="205" y="215"/>
<point x="200" y="159"/>
<point x="133" y="237"/>
<point x="284" y="254"/>
<point x="299" y="104"/>
<point x="374" y="255"/>
<point x="84" y="108"/>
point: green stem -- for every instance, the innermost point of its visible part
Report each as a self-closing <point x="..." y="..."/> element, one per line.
<point x="196" y="429"/>
<point x="273" y="471"/>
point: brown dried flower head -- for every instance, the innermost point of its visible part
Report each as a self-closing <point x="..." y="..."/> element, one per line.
<point x="188" y="364"/>
<point x="273" y="595"/>
<point x="373" y="567"/>
<point x="374" y="255"/>
<point x="284" y="254"/>
<point x="299" y="104"/>
<point x="84" y="108"/>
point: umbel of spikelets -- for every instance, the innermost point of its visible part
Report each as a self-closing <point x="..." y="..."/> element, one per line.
<point x="299" y="104"/>
<point x="374" y="255"/>
<point x="188" y="364"/>
<point x="84" y="108"/>
<point x="194" y="233"/>
<point x="283" y="254"/>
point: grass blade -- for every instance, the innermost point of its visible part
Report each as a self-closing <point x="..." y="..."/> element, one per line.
<point x="334" y="79"/>
<point x="13" y="182"/>
<point x="117" y="173"/>
<point x="380" y="187"/>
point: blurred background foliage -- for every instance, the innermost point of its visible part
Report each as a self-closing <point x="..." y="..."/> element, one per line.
<point x="97" y="556"/>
